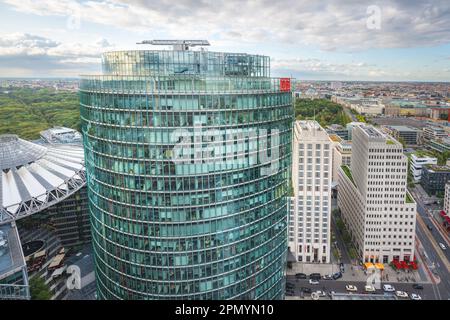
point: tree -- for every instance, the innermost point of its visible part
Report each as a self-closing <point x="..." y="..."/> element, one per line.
<point x="324" y="111"/>
<point x="39" y="290"/>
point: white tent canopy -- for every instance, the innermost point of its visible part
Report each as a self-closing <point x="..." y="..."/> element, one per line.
<point x="33" y="175"/>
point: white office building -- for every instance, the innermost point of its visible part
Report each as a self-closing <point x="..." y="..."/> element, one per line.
<point x="375" y="204"/>
<point x="416" y="163"/>
<point x="309" y="219"/>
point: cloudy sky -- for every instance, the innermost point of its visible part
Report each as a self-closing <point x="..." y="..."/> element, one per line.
<point x="306" y="39"/>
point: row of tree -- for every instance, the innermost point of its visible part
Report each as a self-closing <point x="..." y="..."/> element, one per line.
<point x="26" y="112"/>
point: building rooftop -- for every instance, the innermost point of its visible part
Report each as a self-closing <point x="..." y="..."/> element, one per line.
<point x="437" y="168"/>
<point x="378" y="136"/>
<point x="33" y="177"/>
<point x="423" y="154"/>
<point x="310" y="129"/>
<point x="336" y="126"/>
<point x="11" y="255"/>
<point x="61" y="135"/>
<point x="15" y="152"/>
<point x="404" y="129"/>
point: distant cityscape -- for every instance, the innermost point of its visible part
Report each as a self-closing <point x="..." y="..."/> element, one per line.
<point x="271" y="200"/>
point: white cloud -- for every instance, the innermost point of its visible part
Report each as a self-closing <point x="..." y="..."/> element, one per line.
<point x="320" y="68"/>
<point x="38" y="54"/>
<point x="331" y="25"/>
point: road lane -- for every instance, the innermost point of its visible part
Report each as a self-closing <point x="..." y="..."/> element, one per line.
<point x="338" y="286"/>
<point x="444" y="285"/>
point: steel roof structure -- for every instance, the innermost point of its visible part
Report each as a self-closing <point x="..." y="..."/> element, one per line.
<point x="34" y="177"/>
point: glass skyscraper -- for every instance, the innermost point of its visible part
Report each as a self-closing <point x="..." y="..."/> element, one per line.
<point x="188" y="160"/>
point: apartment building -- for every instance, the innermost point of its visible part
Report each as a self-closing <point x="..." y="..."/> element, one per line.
<point x="309" y="219"/>
<point x="375" y="204"/>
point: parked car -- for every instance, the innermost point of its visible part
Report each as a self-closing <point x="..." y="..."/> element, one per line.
<point x="300" y="276"/>
<point x="328" y="277"/>
<point x="313" y="281"/>
<point x="337" y="275"/>
<point x="415" y="296"/>
<point x="401" y="294"/>
<point x="388" y="288"/>
<point x="290" y="285"/>
<point x="306" y="290"/>
<point x="443" y="247"/>
<point x="369" y="288"/>
<point x="417" y="286"/>
<point x="350" y="287"/>
<point x="315" y="276"/>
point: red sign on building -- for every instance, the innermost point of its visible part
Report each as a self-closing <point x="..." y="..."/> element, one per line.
<point x="285" y="84"/>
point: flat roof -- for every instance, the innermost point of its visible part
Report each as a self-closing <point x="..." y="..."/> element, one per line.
<point x="372" y="131"/>
<point x="310" y="129"/>
<point x="11" y="255"/>
<point x="404" y="128"/>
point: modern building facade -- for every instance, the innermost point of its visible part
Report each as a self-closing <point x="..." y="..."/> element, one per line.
<point x="13" y="269"/>
<point x="42" y="193"/>
<point x="417" y="161"/>
<point x="309" y="221"/>
<point x="440" y="145"/>
<point x="434" y="132"/>
<point x="170" y="221"/>
<point x="434" y="179"/>
<point x="411" y="136"/>
<point x="376" y="207"/>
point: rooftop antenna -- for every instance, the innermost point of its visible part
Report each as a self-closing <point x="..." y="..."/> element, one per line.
<point x="180" y="45"/>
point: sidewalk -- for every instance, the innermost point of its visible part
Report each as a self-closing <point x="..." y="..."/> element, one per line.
<point x="308" y="268"/>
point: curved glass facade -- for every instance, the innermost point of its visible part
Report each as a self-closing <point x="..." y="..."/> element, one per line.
<point x="188" y="157"/>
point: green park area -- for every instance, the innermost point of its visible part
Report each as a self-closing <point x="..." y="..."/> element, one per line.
<point x="324" y="111"/>
<point x="27" y="111"/>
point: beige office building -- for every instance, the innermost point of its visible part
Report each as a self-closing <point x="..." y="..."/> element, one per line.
<point x="372" y="195"/>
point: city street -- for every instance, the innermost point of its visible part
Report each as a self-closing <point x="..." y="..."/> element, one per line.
<point x="338" y="286"/>
<point x="438" y="257"/>
<point x="423" y="211"/>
